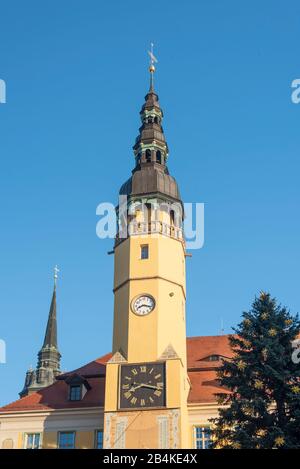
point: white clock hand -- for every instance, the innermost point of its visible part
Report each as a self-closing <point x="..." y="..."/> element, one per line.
<point x="149" y="386"/>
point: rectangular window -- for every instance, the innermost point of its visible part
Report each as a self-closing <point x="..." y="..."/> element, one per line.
<point x="99" y="439"/>
<point x="172" y="218"/>
<point x="66" y="440"/>
<point x="144" y="251"/>
<point x="32" y="440"/>
<point x="202" y="437"/>
<point x="75" y="393"/>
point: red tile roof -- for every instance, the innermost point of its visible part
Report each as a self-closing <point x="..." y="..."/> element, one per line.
<point x="204" y="385"/>
<point x="202" y="373"/>
<point x="94" y="368"/>
<point x="201" y="348"/>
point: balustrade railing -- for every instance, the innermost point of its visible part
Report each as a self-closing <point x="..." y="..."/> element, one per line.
<point x="152" y="227"/>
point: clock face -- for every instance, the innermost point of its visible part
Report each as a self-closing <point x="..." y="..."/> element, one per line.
<point x="143" y="305"/>
<point x="142" y="385"/>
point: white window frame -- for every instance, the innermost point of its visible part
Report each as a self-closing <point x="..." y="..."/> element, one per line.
<point x="32" y="433"/>
<point x="203" y="439"/>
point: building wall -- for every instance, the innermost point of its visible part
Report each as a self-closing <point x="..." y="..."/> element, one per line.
<point x="85" y="422"/>
<point x="143" y="430"/>
<point x="163" y="277"/>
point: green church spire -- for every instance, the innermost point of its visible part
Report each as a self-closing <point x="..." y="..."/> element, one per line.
<point x="48" y="366"/>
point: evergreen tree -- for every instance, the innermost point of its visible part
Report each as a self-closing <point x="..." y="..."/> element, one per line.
<point x="263" y="405"/>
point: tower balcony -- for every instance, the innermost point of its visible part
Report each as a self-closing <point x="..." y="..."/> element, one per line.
<point x="148" y="228"/>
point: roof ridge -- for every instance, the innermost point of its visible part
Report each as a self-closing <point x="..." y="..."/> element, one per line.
<point x="208" y="336"/>
<point x="22" y="399"/>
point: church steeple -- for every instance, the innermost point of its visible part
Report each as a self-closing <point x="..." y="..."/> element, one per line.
<point x="49" y="356"/>
<point x="150" y="145"/>
<point x="150" y="174"/>
<point x="50" y="339"/>
<point x="48" y="366"/>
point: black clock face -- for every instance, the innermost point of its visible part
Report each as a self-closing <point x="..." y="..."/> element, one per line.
<point x="142" y="385"/>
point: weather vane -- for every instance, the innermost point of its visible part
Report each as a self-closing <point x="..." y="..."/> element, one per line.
<point x="56" y="270"/>
<point x="153" y="60"/>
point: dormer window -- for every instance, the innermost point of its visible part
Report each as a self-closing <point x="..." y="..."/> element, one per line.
<point x="75" y="392"/>
<point x="78" y="387"/>
<point x="214" y="358"/>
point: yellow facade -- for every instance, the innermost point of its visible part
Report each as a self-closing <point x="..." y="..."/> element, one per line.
<point x="162" y="275"/>
<point x="84" y="423"/>
<point x="50" y="440"/>
<point x="15" y="426"/>
<point x="156" y="337"/>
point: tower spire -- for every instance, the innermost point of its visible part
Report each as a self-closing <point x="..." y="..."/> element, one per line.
<point x="150" y="145"/>
<point x="150" y="174"/>
<point x="50" y="339"/>
<point x="48" y="366"/>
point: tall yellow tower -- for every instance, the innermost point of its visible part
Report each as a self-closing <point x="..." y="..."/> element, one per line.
<point x="147" y="383"/>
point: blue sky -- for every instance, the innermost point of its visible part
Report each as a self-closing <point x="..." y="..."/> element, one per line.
<point x="76" y="75"/>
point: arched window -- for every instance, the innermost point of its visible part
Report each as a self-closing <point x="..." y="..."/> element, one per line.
<point x="148" y="214"/>
<point x="172" y="217"/>
<point x="138" y="159"/>
<point x="156" y="120"/>
<point x="158" y="157"/>
<point x="148" y="156"/>
<point x="8" y="443"/>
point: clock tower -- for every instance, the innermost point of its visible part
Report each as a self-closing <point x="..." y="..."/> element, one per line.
<point x="147" y="384"/>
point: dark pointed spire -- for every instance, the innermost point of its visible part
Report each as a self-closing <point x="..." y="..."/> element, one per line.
<point x="150" y="145"/>
<point x="48" y="366"/>
<point x="150" y="174"/>
<point x="49" y="355"/>
<point x="51" y="330"/>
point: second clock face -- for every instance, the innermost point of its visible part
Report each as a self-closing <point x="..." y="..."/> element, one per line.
<point x="143" y="305"/>
<point x="142" y="385"/>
